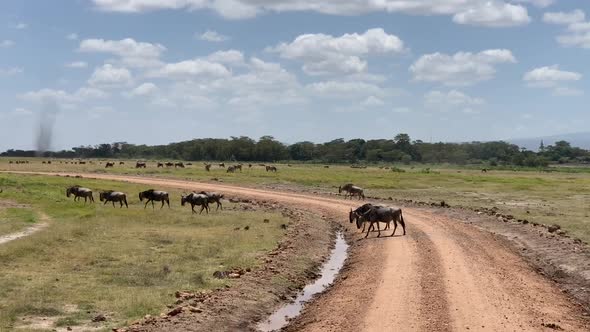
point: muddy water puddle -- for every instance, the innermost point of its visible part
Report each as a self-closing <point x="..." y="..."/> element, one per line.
<point x="328" y="273"/>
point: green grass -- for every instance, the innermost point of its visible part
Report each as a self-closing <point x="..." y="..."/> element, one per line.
<point x="561" y="197"/>
<point x="125" y="263"/>
<point x="14" y="219"/>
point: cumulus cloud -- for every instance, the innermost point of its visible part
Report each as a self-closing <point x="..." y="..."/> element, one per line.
<point x="196" y="68"/>
<point x="131" y="52"/>
<point x="323" y="54"/>
<point x="492" y="13"/>
<point x="77" y="64"/>
<point x="230" y="57"/>
<point x="62" y="97"/>
<point x="213" y="36"/>
<point x="452" y="100"/>
<point x="578" y="29"/>
<point x="460" y="69"/>
<point x="145" y="89"/>
<point x="6" y="43"/>
<point x="554" y="78"/>
<point x="109" y="76"/>
<point x="564" y="17"/>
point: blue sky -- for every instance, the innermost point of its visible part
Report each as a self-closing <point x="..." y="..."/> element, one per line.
<point x="157" y="71"/>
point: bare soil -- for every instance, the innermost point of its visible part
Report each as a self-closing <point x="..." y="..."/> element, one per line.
<point x="444" y="275"/>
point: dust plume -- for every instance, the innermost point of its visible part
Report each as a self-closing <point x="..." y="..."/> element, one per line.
<point x="47" y="115"/>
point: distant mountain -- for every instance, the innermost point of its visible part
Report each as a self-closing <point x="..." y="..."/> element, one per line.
<point x="581" y="140"/>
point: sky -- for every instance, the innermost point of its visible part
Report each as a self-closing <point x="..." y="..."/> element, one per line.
<point x="160" y="71"/>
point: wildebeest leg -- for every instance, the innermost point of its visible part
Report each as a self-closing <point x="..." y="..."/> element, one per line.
<point x="163" y="201"/>
<point x="85" y="199"/>
<point x="202" y="208"/>
<point x="379" y="230"/>
<point x="105" y="202"/>
<point x="146" y="203"/>
<point x="394" y="227"/>
<point x="153" y="204"/>
<point x="401" y="221"/>
<point x="125" y="200"/>
<point x="193" y="208"/>
<point x="168" y="202"/>
<point x="91" y="198"/>
<point x="113" y="203"/>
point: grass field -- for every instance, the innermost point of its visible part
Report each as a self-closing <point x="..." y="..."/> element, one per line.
<point x="124" y="263"/>
<point x="13" y="219"/>
<point x="560" y="197"/>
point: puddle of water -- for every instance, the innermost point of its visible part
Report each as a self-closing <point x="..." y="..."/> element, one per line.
<point x="330" y="269"/>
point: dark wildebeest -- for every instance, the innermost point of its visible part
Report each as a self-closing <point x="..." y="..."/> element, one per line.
<point x="78" y="192"/>
<point x="214" y="198"/>
<point x="381" y="214"/>
<point x="169" y="164"/>
<point x="121" y="163"/>
<point x="231" y="169"/>
<point x="140" y="164"/>
<point x="181" y="165"/>
<point x="352" y="190"/>
<point x="238" y="167"/>
<point x="222" y="165"/>
<point x="160" y="165"/>
<point x="196" y="199"/>
<point x="249" y="165"/>
<point x="109" y="164"/>
<point x="114" y="196"/>
<point x="484" y="170"/>
<point x="154" y="195"/>
<point x="271" y="169"/>
<point x="354" y="215"/>
<point x="208" y="167"/>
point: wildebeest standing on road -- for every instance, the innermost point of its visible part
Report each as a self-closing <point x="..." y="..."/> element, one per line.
<point x="154" y="195"/>
<point x="354" y="215"/>
<point x="78" y="192"/>
<point x="381" y="214"/>
<point x="114" y="196"/>
<point x="196" y="199"/>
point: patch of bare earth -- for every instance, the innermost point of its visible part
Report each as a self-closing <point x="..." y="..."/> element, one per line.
<point x="43" y="222"/>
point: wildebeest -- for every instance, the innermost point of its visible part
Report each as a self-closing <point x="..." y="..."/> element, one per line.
<point x="238" y="167"/>
<point x="154" y="195"/>
<point x="181" y="165"/>
<point x="160" y="165"/>
<point x="352" y="190"/>
<point x="169" y="164"/>
<point x="355" y="214"/>
<point x="208" y="167"/>
<point x="121" y="163"/>
<point x="271" y="169"/>
<point x="213" y="198"/>
<point x="222" y="165"/>
<point x="196" y="199"/>
<point x="484" y="170"/>
<point x="231" y="169"/>
<point x="109" y="164"/>
<point x="249" y="165"/>
<point x="140" y="164"/>
<point x="381" y="214"/>
<point x="114" y="196"/>
<point x="78" y="192"/>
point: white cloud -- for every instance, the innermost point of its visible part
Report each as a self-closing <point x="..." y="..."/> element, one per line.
<point x="109" y="76"/>
<point x="62" y="97"/>
<point x="21" y="26"/>
<point x="372" y="101"/>
<point x="213" y="36"/>
<point x="564" y="18"/>
<point x="10" y="71"/>
<point x="344" y="89"/>
<point x="230" y="57"/>
<point x="581" y="40"/>
<point x="72" y="36"/>
<point x="22" y="111"/>
<point x="132" y="53"/>
<point x="145" y="89"/>
<point x="6" y="43"/>
<point x="460" y="69"/>
<point x="554" y="78"/>
<point x="77" y="64"/>
<point x="538" y="3"/>
<point x="549" y="76"/>
<point x="452" y="100"/>
<point x="197" y="68"/>
<point x="493" y="13"/>
<point x="324" y="54"/>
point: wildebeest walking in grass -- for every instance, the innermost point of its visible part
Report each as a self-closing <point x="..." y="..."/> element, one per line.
<point x="208" y="167"/>
<point x="109" y="164"/>
<point x="154" y="195"/>
<point x="160" y="165"/>
<point x="140" y="164"/>
<point x="231" y="169"/>
<point x="181" y="165"/>
<point x="222" y="165"/>
<point x="352" y="190"/>
<point x="196" y="199"/>
<point x="381" y="214"/>
<point x="78" y="192"/>
<point x="114" y="196"/>
<point x="213" y="198"/>
<point x="271" y="169"/>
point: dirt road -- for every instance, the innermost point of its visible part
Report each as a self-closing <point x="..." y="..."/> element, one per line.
<point x="443" y="276"/>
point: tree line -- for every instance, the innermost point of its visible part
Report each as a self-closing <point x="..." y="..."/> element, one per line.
<point x="400" y="149"/>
